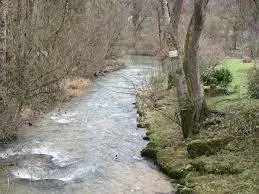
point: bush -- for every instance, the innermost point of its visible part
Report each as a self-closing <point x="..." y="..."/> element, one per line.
<point x="253" y="88"/>
<point x="217" y="77"/>
<point x="244" y="122"/>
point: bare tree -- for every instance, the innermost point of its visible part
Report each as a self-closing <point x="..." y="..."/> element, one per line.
<point x="186" y="71"/>
<point x="190" y="63"/>
<point x="176" y="68"/>
<point x="48" y="42"/>
<point x="136" y="7"/>
<point x="140" y="10"/>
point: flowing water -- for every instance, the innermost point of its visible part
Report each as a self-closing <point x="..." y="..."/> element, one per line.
<point x="89" y="145"/>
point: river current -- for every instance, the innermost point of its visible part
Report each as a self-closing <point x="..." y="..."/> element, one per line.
<point x="89" y="145"/>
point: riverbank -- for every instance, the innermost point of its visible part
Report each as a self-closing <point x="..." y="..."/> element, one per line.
<point x="69" y="87"/>
<point x="89" y="145"/>
<point x="220" y="157"/>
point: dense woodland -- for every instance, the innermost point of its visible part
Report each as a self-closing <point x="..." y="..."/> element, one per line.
<point x="45" y="43"/>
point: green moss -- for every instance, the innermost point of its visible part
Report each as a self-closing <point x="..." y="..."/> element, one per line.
<point x="215" y="183"/>
<point x="150" y="151"/>
<point x="174" y="162"/>
<point x="186" y="45"/>
<point x="219" y="163"/>
<point x="222" y="163"/>
<point x="201" y="147"/>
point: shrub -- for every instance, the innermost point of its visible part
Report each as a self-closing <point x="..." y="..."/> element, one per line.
<point x="253" y="88"/>
<point x="217" y="77"/>
<point x="243" y="124"/>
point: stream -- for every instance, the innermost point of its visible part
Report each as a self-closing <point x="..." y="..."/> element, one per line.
<point x="90" y="144"/>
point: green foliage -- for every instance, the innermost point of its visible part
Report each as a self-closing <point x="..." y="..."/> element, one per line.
<point x="217" y="77"/>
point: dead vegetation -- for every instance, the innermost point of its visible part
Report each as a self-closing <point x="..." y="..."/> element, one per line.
<point x="53" y="49"/>
<point x="75" y="86"/>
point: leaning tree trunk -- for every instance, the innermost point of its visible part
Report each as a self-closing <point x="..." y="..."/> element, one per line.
<point x="191" y="67"/>
<point x="176" y="67"/>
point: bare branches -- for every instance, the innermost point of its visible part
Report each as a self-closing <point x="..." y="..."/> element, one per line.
<point x="56" y="33"/>
<point x="51" y="41"/>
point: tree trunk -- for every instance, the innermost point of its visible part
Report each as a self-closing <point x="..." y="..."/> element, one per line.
<point x="161" y="45"/>
<point x="191" y="67"/>
<point x="234" y="37"/>
<point x="3" y="29"/>
<point x="226" y="33"/>
<point x="176" y="66"/>
<point x="255" y="34"/>
<point x="175" y="17"/>
<point x="135" y="20"/>
<point x="159" y="28"/>
<point x="185" y="72"/>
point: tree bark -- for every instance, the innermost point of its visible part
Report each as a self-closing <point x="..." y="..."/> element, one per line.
<point x="135" y="20"/>
<point x="226" y="33"/>
<point x="175" y="17"/>
<point x="185" y="72"/>
<point x="3" y="29"/>
<point x="255" y="34"/>
<point x="176" y="66"/>
<point x="234" y="37"/>
<point x="176" y="13"/>
<point x="191" y="67"/>
<point x="159" y="28"/>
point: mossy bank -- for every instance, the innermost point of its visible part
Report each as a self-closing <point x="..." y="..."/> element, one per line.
<point x="221" y="156"/>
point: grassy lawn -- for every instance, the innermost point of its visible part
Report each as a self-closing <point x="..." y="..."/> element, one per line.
<point x="221" y="156"/>
<point x="237" y="88"/>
